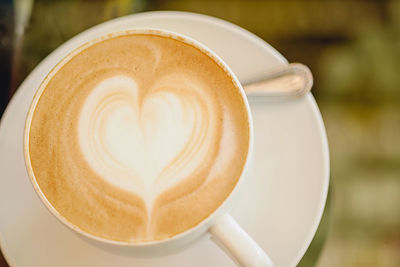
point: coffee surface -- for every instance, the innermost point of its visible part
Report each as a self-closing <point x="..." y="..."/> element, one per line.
<point x="138" y="137"/>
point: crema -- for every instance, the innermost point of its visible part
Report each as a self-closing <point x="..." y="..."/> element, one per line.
<point x="138" y="137"/>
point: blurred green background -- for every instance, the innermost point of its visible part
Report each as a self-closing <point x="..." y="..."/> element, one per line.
<point x="353" y="49"/>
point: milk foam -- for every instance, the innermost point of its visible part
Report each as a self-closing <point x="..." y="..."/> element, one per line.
<point x="146" y="145"/>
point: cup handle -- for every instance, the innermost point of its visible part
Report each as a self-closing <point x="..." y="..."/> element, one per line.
<point x="229" y="236"/>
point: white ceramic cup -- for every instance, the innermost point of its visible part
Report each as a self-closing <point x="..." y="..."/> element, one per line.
<point x="224" y="230"/>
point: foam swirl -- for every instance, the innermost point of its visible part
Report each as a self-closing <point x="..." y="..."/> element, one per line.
<point x="150" y="144"/>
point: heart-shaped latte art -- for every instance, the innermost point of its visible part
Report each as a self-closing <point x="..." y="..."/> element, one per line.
<point x="146" y="141"/>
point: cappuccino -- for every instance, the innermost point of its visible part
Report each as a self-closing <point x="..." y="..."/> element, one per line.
<point x="137" y="137"/>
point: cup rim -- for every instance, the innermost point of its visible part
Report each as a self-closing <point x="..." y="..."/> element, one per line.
<point x="206" y="222"/>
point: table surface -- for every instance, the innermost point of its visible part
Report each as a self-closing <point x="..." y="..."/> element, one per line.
<point x="351" y="47"/>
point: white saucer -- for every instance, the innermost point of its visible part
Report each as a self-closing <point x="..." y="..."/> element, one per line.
<point x="282" y="203"/>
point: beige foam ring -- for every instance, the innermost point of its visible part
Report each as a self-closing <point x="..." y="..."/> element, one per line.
<point x="138" y="138"/>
